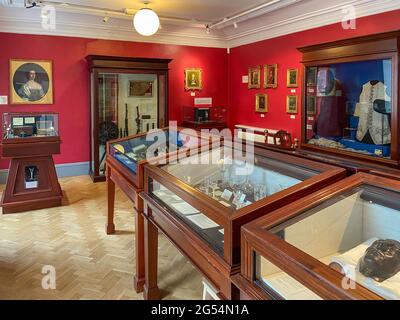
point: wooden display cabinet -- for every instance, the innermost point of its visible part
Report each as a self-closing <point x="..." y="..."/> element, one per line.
<point x="125" y="168"/>
<point x="30" y="140"/>
<point x="205" y="225"/>
<point x="108" y="80"/>
<point x="334" y="76"/>
<point x="297" y="244"/>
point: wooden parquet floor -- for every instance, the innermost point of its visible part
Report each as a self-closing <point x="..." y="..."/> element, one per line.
<point x="88" y="263"/>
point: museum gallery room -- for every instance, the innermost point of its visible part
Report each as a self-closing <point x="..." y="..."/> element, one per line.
<point x="200" y="150"/>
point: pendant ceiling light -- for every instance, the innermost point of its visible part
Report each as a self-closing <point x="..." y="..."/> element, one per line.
<point x="146" y="22"/>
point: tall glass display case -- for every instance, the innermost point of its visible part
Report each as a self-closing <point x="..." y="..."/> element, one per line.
<point x="351" y="99"/>
<point x="340" y="243"/>
<point x="128" y="97"/>
<point x="201" y="204"/>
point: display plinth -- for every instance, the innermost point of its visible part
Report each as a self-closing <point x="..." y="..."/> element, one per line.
<point x="32" y="180"/>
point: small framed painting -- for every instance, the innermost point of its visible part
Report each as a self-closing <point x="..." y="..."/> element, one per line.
<point x="311" y="108"/>
<point x="271" y="76"/>
<point x="292" y="104"/>
<point x="139" y="88"/>
<point x="312" y="76"/>
<point x="261" y="103"/>
<point x="193" y="79"/>
<point x="31" y="82"/>
<point x="292" y="78"/>
<point x="254" y="78"/>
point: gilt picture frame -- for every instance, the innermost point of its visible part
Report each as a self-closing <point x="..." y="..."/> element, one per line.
<point x="292" y="106"/>
<point x="261" y="103"/>
<point x="292" y="78"/>
<point x="271" y="76"/>
<point x="31" y="81"/>
<point x="254" y="77"/>
<point x="193" y="79"/>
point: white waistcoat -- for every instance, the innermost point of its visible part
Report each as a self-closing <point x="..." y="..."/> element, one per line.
<point x="370" y="120"/>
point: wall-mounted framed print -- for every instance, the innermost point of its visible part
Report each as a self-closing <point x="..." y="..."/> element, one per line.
<point x="292" y="78"/>
<point x="312" y="76"/>
<point x="311" y="107"/>
<point x="270" y="76"/>
<point x="31" y="82"/>
<point x="193" y="79"/>
<point x="254" y="78"/>
<point x="261" y="103"/>
<point x="140" y="88"/>
<point x="292" y="104"/>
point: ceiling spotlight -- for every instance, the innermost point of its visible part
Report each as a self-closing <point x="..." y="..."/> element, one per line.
<point x="106" y="18"/>
<point x="235" y="25"/>
<point x="208" y="30"/>
<point x="146" y="22"/>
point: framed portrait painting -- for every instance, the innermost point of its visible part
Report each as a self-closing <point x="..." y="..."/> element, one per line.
<point x="139" y="88"/>
<point x="271" y="76"/>
<point x="292" y="104"/>
<point x="254" y="78"/>
<point x="193" y="79"/>
<point x="261" y="103"/>
<point x="292" y="78"/>
<point x="31" y="82"/>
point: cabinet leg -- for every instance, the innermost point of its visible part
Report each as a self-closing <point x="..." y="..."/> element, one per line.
<point x="110" y="227"/>
<point x="139" y="243"/>
<point x="150" y="290"/>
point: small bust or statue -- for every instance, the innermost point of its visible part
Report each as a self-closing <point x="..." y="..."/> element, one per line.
<point x="381" y="260"/>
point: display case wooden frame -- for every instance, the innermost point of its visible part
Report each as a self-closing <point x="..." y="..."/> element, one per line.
<point x="99" y="64"/>
<point x="378" y="46"/>
<point x="132" y="184"/>
<point x="217" y="269"/>
<point x="307" y="270"/>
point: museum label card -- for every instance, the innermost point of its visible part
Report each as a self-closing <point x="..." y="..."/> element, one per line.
<point x="3" y="100"/>
<point x="17" y="121"/>
<point x="226" y="195"/>
<point x="202" y="221"/>
<point x="29" y="120"/>
<point x="184" y="208"/>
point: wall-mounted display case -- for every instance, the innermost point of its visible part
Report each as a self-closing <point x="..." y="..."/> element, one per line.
<point x="201" y="207"/>
<point x="203" y="117"/>
<point x="29" y="140"/>
<point x="342" y="242"/>
<point x="126" y="159"/>
<point x="350" y="98"/>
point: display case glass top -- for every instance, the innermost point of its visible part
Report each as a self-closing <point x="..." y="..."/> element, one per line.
<point x="347" y="235"/>
<point x="210" y="189"/>
<point x="139" y="148"/>
<point x="30" y="125"/>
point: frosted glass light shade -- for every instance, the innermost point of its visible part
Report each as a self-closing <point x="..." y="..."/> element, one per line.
<point x="146" y="22"/>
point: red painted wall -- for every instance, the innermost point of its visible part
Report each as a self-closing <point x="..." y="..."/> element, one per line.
<point x="283" y="51"/>
<point x="71" y="85"/>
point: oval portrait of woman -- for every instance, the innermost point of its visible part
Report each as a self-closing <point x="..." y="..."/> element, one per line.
<point x="31" y="82"/>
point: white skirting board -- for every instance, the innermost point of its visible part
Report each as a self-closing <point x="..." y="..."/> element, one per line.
<point x="63" y="170"/>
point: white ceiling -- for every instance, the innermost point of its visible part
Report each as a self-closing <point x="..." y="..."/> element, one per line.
<point x="203" y="10"/>
<point x="280" y="17"/>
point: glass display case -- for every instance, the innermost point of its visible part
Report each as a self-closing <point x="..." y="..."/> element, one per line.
<point x="342" y="243"/>
<point x="350" y="98"/>
<point x="30" y="125"/>
<point x="351" y="113"/>
<point x="125" y="161"/>
<point x="203" y="117"/>
<point x="128" y="97"/>
<point x="208" y="197"/>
